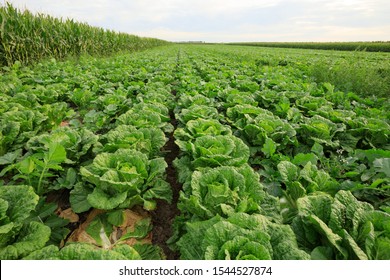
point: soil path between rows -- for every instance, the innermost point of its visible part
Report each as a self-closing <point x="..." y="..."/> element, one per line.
<point x="165" y="213"/>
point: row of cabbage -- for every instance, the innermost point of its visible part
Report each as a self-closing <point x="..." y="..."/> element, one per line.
<point x="84" y="139"/>
<point x="324" y="154"/>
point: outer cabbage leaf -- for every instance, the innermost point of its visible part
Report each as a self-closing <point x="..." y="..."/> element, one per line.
<point x="111" y="103"/>
<point x="348" y="213"/>
<point x="83" y="251"/>
<point x="288" y="171"/>
<point x="17" y="196"/>
<point x="102" y="200"/>
<point x="144" y="118"/>
<point x="340" y="228"/>
<point x="184" y="168"/>
<point x="223" y="191"/>
<point x="186" y="101"/>
<point x="284" y="243"/>
<point x="195" y="112"/>
<point x="161" y="94"/>
<point x="17" y="126"/>
<point x="221" y="150"/>
<point x="336" y="115"/>
<point x="267" y="126"/>
<point x="241" y="236"/>
<point x="241" y="248"/>
<point x="374" y="132"/>
<point x="50" y="252"/>
<point x="76" y="141"/>
<point x="78" y="197"/>
<point x="382" y="248"/>
<point x="125" y="178"/>
<point x="189" y="243"/>
<point x="16" y="202"/>
<point x="320" y="130"/>
<point x="312" y="103"/>
<point x="318" y="180"/>
<point x="149" y="251"/>
<point x="225" y="240"/>
<point x="201" y="127"/>
<point x="18" y="235"/>
<point x="146" y="140"/>
<point x="242" y="115"/>
<point x="9" y="132"/>
<point x="237" y="97"/>
<point x="31" y="237"/>
<point x="159" y="108"/>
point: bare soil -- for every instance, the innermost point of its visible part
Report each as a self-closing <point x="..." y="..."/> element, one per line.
<point x="165" y="213"/>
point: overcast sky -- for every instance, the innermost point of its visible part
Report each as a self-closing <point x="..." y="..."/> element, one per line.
<point x="228" y="20"/>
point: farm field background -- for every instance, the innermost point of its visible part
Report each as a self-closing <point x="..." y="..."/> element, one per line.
<point x="196" y="152"/>
<point x="380" y="46"/>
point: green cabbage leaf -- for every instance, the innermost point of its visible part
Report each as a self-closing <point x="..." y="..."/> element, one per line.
<point x="124" y="179"/>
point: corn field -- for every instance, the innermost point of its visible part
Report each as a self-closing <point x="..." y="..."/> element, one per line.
<point x="28" y="38"/>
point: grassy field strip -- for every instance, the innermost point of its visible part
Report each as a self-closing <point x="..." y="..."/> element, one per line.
<point x="339" y="46"/>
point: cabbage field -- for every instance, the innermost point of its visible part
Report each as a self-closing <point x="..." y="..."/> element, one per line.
<point x="197" y="152"/>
